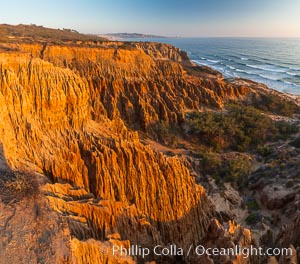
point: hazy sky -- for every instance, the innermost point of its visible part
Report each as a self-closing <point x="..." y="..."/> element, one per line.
<point x="198" y="18"/>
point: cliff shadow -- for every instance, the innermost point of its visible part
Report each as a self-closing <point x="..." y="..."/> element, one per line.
<point x="14" y="184"/>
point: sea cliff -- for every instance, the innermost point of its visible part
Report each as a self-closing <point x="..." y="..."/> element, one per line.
<point x="78" y="124"/>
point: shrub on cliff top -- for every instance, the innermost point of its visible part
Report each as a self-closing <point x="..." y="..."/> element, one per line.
<point x="238" y="169"/>
<point x="239" y="128"/>
<point x="275" y="105"/>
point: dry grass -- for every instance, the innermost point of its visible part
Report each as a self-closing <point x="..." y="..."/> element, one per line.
<point x="14" y="186"/>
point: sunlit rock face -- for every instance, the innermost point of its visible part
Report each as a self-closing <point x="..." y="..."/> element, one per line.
<point x="68" y="113"/>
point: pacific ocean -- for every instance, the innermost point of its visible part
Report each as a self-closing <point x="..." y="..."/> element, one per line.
<point x="272" y="61"/>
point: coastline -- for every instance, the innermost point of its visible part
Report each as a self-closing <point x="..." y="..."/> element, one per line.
<point x="248" y="82"/>
<point x="290" y="97"/>
<point x="262" y="60"/>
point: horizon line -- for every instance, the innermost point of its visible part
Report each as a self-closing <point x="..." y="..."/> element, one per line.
<point x="159" y="35"/>
<point x="181" y="37"/>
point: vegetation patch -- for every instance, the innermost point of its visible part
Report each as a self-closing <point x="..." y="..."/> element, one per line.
<point x="14" y="186"/>
<point x="165" y="133"/>
<point x="238" y="129"/>
<point x="275" y="105"/>
<point x="252" y="205"/>
<point x="253" y="218"/>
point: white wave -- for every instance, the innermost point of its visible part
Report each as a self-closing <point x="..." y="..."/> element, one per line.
<point x="198" y="62"/>
<point x="292" y="74"/>
<point x="213" y="61"/>
<point x="229" y="74"/>
<point x="203" y="63"/>
<point x="269" y="77"/>
<point x="266" y="68"/>
<point x="290" y="83"/>
<point x="294" y="69"/>
<point x="239" y="70"/>
<point x="243" y="58"/>
<point x="229" y="66"/>
<point x="247" y="72"/>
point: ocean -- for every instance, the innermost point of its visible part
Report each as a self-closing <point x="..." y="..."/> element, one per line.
<point x="274" y="62"/>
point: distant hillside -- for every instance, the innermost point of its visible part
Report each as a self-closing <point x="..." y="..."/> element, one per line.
<point x="132" y="35"/>
<point x="39" y="33"/>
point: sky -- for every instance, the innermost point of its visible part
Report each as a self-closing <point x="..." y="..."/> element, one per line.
<point x="184" y="18"/>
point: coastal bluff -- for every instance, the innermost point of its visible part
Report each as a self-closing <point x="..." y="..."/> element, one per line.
<point x="73" y="118"/>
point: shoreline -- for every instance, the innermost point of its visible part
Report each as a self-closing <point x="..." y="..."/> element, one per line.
<point x="291" y="97"/>
<point x="250" y="58"/>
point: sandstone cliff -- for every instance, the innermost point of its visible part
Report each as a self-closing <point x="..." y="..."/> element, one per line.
<point x="68" y="112"/>
<point x="139" y="88"/>
<point x="120" y="185"/>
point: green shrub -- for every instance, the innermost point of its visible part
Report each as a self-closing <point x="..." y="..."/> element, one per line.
<point x="264" y="150"/>
<point x="238" y="169"/>
<point x="252" y="205"/>
<point x="239" y="128"/>
<point x="210" y="161"/>
<point x="285" y="129"/>
<point x="165" y="133"/>
<point x="275" y="105"/>
<point x="252" y="219"/>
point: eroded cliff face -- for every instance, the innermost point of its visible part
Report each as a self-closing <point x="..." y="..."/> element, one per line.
<point x="65" y="112"/>
<point x="141" y="89"/>
<point x="162" y="51"/>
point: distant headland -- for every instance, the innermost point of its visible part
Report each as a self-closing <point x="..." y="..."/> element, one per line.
<point x="130" y="35"/>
